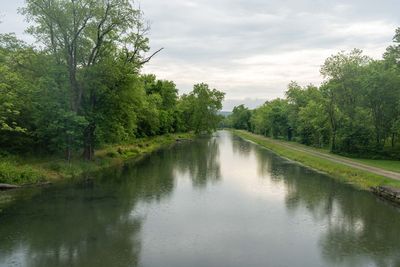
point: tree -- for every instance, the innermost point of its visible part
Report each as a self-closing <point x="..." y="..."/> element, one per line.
<point x="356" y="109"/>
<point x="382" y="91"/>
<point x="259" y="120"/>
<point x="11" y="83"/>
<point x="392" y="63"/>
<point x="329" y="92"/>
<point x="271" y="119"/>
<point x="200" y="108"/>
<point x="168" y="94"/>
<point x="313" y="126"/>
<point x="299" y="97"/>
<point x="278" y="118"/>
<point x="344" y="72"/>
<point x="392" y="54"/>
<point x="240" y="117"/>
<point x="80" y="34"/>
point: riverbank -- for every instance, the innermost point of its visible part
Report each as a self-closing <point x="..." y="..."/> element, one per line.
<point x="30" y="170"/>
<point x="343" y="171"/>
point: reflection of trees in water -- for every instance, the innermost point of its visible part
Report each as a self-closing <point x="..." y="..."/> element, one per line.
<point x="357" y="224"/>
<point x="266" y="160"/>
<point x="91" y="223"/>
<point x="200" y="159"/>
<point x="361" y="226"/>
<point x="241" y="147"/>
<point x="87" y="226"/>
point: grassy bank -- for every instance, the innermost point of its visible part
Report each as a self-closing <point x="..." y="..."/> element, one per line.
<point x="32" y="170"/>
<point x="359" y="178"/>
<point x="390" y="165"/>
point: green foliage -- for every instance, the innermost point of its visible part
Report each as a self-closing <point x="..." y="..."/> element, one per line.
<point x="159" y="115"/>
<point x="313" y="128"/>
<point x="200" y="108"/>
<point x="271" y="119"/>
<point x="34" y="169"/>
<point x="356" y="111"/>
<point x="62" y="130"/>
<point x="10" y="80"/>
<point x="12" y="173"/>
<point x="240" y="118"/>
<point x="119" y="105"/>
<point x="82" y="89"/>
<point x="89" y="38"/>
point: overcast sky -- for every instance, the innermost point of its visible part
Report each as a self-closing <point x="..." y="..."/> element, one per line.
<point x="251" y="49"/>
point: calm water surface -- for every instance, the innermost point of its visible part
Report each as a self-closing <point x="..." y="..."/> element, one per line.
<point x="218" y="201"/>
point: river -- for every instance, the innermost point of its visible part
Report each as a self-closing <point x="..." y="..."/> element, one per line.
<point x="218" y="201"/>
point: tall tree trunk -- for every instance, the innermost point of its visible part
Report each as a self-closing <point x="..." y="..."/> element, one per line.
<point x="378" y="139"/>
<point x="88" y="146"/>
<point x="68" y="150"/>
<point x="393" y="139"/>
<point x="289" y="133"/>
<point x="76" y="91"/>
<point x="333" y="144"/>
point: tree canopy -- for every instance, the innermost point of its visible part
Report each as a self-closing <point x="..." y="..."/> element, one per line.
<point x="82" y="86"/>
<point x="355" y="111"/>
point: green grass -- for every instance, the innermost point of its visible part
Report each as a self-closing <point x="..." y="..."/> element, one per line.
<point x="13" y="173"/>
<point x="358" y="178"/>
<point x="34" y="170"/>
<point x="390" y="165"/>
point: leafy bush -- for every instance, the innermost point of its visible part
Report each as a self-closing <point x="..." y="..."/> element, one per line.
<point x="12" y="173"/>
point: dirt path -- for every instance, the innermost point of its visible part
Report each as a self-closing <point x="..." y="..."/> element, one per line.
<point x="344" y="161"/>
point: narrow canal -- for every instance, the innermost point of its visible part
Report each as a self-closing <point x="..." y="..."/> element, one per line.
<point x="218" y="201"/>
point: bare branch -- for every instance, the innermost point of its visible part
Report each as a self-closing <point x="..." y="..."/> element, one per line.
<point x="146" y="60"/>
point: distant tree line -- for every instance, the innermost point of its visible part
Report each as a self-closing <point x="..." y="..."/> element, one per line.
<point x="355" y="111"/>
<point x="82" y="87"/>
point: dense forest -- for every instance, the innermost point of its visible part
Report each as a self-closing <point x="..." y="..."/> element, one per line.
<point x="355" y="111"/>
<point x="81" y="85"/>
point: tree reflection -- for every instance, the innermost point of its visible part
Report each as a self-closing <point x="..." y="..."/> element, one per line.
<point x="266" y="162"/>
<point x="200" y="160"/>
<point x="240" y="147"/>
<point x="93" y="222"/>
<point x="98" y="222"/>
<point x="358" y="225"/>
<point x="84" y="226"/>
<point x="90" y="223"/>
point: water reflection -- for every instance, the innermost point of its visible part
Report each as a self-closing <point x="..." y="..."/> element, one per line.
<point x="92" y="222"/>
<point x="357" y="227"/>
<point x="253" y="209"/>
<point x="201" y="160"/>
<point x="85" y="226"/>
<point x="240" y="148"/>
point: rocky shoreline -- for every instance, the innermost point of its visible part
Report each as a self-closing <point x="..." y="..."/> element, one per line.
<point x="387" y="193"/>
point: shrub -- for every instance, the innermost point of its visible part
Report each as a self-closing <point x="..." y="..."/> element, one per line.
<point x="12" y="173"/>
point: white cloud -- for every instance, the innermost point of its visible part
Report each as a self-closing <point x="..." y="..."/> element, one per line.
<point x="253" y="48"/>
